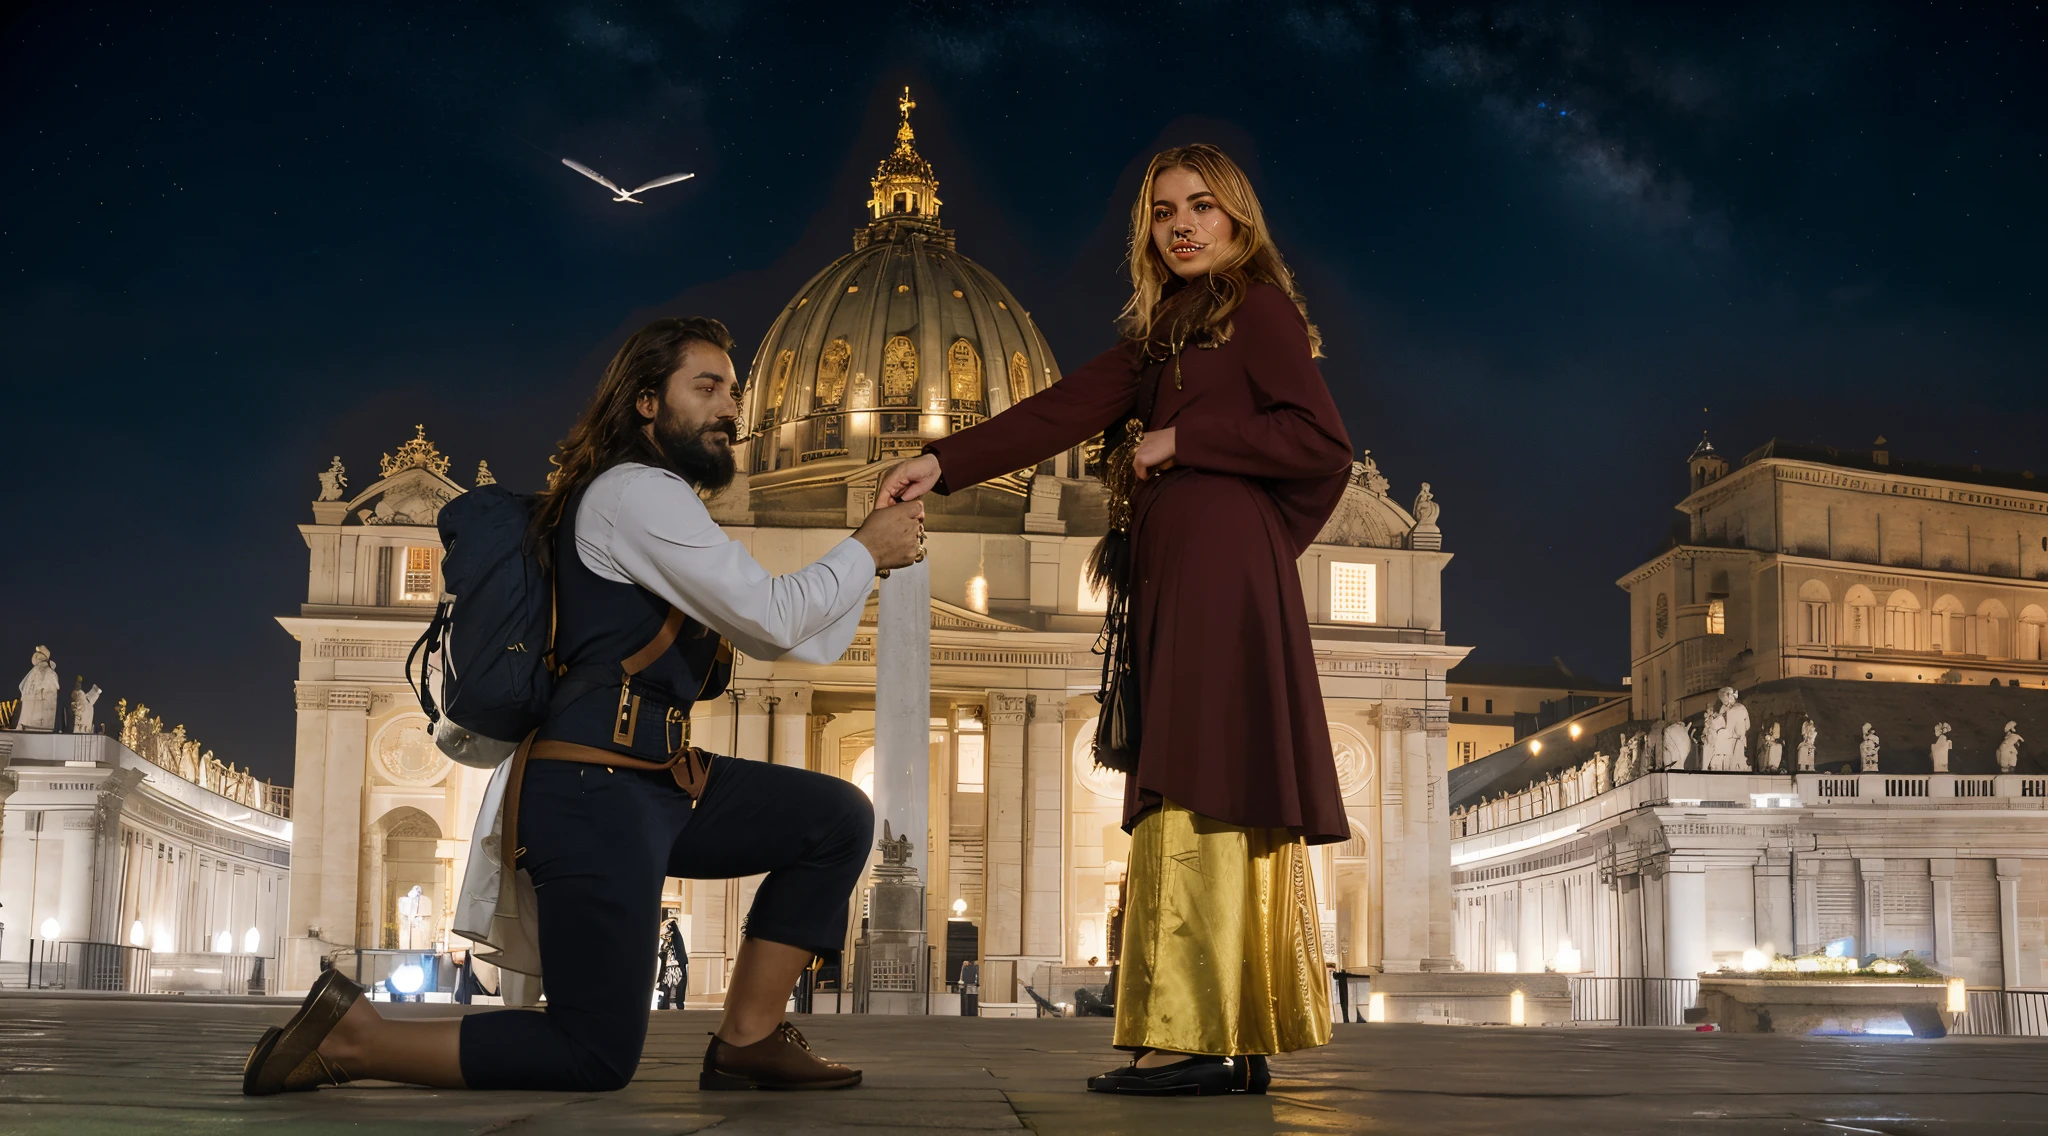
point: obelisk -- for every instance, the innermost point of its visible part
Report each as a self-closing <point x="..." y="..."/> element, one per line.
<point x="897" y="965"/>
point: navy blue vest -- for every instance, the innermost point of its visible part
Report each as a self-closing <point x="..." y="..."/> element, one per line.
<point x="599" y="624"/>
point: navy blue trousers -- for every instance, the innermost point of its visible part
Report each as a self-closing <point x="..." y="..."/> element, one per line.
<point x="599" y="843"/>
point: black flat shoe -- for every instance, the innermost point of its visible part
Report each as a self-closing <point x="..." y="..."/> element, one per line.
<point x="1249" y="1074"/>
<point x="1199" y="1076"/>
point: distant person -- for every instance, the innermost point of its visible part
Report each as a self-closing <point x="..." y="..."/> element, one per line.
<point x="604" y="814"/>
<point x="1224" y="456"/>
<point x="675" y="967"/>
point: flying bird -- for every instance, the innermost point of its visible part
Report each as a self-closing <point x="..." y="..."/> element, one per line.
<point x="623" y="194"/>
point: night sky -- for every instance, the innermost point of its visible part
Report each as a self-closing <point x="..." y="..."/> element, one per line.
<point x="1547" y="246"/>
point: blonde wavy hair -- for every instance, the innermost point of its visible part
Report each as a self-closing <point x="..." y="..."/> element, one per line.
<point x="1203" y="309"/>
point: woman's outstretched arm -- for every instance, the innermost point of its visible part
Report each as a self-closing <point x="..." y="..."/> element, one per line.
<point x="1078" y="407"/>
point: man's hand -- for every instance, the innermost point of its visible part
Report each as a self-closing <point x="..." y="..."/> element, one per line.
<point x="909" y="481"/>
<point x="1154" y="453"/>
<point x="894" y="535"/>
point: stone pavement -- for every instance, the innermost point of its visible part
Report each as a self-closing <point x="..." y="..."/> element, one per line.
<point x="87" y="1066"/>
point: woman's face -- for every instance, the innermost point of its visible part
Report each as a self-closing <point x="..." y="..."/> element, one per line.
<point x="1189" y="228"/>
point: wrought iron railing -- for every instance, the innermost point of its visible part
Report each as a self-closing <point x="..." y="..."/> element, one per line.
<point x="2004" y="1013"/>
<point x="83" y="965"/>
<point x="1633" y="1001"/>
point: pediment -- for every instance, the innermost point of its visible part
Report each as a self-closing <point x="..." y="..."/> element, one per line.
<point x="409" y="497"/>
<point x="1365" y="519"/>
<point x="945" y="617"/>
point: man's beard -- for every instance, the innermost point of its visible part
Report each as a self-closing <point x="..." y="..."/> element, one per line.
<point x="692" y="455"/>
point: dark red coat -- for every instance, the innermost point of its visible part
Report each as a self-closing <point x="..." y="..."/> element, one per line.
<point x="1234" y="726"/>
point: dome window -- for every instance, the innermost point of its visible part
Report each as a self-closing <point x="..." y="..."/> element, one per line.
<point x="1020" y="378"/>
<point x="899" y="372"/>
<point x="963" y="376"/>
<point x="851" y="288"/>
<point x="831" y="386"/>
<point x="958" y="294"/>
<point x="903" y="287"/>
<point x="777" y="389"/>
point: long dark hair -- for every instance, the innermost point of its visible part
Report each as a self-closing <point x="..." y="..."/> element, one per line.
<point x="609" y="430"/>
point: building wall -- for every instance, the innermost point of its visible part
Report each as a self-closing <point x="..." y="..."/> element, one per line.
<point x="1797" y="569"/>
<point x="114" y="849"/>
<point x="1660" y="883"/>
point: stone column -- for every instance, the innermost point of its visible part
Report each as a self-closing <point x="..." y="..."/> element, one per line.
<point x="1942" y="874"/>
<point x="341" y="820"/>
<point x="789" y="705"/>
<point x="2009" y="918"/>
<point x="1871" y="871"/>
<point x="1003" y="925"/>
<point x="309" y="811"/>
<point x="1628" y="953"/>
<point x="74" y="878"/>
<point x="903" y="708"/>
<point x="1806" y="905"/>
<point x="1416" y="845"/>
<point x="1529" y="926"/>
<point x="1044" y="863"/>
<point x="1773" y="883"/>
<point x="1685" y="920"/>
<point x="897" y="925"/>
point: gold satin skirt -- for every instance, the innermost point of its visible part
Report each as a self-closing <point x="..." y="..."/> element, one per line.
<point x="1222" y="952"/>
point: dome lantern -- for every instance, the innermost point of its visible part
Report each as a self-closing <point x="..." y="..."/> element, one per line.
<point x="904" y="185"/>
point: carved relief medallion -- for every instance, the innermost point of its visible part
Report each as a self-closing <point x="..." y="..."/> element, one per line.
<point x="406" y="752"/>
<point x="1355" y="762"/>
<point x="1106" y="783"/>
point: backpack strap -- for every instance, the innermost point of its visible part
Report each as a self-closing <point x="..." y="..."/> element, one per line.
<point x="663" y="639"/>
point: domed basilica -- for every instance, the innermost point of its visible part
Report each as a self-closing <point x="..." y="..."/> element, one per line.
<point x="900" y="341"/>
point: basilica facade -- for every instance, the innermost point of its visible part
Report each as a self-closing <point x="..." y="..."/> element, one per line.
<point x="902" y="340"/>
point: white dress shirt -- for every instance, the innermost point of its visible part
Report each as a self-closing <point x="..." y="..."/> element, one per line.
<point x="647" y="526"/>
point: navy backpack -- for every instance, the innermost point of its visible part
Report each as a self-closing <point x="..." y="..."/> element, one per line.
<point x="495" y="668"/>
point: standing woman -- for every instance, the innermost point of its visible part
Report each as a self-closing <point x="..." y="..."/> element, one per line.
<point x="1227" y="458"/>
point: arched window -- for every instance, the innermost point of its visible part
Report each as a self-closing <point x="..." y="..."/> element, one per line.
<point x="832" y="374"/>
<point x="1816" y="621"/>
<point x="1945" y="629"/>
<point x="899" y="372"/>
<point x="1902" y="621"/>
<point x="1020" y="378"/>
<point x="777" y="388"/>
<point x="963" y="372"/>
<point x="1862" y="611"/>
<point x="1991" y="621"/>
<point x="2033" y="632"/>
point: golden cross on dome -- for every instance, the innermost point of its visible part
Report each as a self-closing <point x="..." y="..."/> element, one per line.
<point x="905" y="106"/>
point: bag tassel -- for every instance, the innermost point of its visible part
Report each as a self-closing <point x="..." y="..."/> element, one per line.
<point x="1118" y="724"/>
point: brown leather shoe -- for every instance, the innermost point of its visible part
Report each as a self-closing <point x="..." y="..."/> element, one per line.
<point x="782" y="1060"/>
<point x="289" y="1061"/>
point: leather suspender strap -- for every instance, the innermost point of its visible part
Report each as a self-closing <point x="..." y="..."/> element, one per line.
<point x="690" y="768"/>
<point x="643" y="658"/>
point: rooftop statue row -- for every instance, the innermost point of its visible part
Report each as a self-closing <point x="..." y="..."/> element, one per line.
<point x="1722" y="738"/>
<point x="174" y="752"/>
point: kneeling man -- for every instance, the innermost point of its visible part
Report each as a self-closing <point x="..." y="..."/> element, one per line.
<point x="626" y="537"/>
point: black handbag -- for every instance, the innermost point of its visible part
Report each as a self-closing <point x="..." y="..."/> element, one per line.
<point x="1120" y="723"/>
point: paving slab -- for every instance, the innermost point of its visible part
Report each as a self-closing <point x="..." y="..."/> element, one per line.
<point x="112" y="1066"/>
